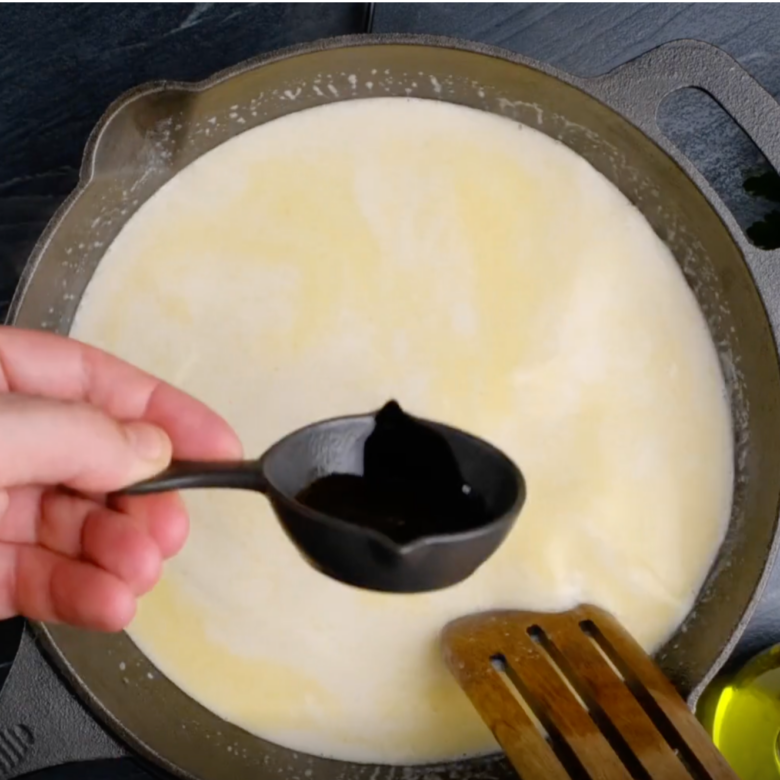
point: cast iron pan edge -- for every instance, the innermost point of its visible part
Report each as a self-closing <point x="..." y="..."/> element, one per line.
<point x="634" y="90"/>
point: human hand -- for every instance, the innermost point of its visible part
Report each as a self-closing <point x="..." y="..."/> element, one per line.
<point x="76" y="424"/>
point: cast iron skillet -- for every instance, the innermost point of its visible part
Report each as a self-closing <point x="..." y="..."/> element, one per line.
<point x="153" y="132"/>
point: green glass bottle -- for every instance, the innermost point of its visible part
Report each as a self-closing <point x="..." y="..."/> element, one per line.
<point x="741" y="712"/>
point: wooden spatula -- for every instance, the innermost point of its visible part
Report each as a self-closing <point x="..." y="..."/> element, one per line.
<point x="572" y="695"/>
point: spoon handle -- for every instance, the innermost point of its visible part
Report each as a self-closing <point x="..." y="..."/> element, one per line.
<point x="187" y="474"/>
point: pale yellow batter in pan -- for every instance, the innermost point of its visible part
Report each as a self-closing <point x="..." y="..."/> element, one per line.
<point x="483" y="275"/>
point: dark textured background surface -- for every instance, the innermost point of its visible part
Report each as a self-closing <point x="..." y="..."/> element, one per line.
<point x="62" y="65"/>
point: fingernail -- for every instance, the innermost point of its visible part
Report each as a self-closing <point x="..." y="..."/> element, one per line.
<point x="149" y="442"/>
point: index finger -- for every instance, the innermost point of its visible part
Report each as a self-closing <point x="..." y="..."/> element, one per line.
<point x="44" y="364"/>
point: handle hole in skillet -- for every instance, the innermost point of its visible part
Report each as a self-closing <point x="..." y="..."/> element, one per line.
<point x="733" y="165"/>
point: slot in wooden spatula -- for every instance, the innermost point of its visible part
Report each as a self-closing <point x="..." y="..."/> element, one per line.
<point x="572" y="695"/>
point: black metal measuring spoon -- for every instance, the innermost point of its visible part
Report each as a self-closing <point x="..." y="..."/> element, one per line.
<point x="382" y="501"/>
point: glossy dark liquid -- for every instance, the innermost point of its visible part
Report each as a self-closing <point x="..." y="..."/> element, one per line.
<point x="411" y="484"/>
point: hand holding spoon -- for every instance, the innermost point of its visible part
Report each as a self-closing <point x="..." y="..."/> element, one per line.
<point x="381" y="501"/>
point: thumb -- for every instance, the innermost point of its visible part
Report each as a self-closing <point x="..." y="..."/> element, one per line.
<point x="49" y="442"/>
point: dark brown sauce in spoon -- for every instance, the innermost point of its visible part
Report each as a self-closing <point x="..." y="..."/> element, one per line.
<point x="411" y="485"/>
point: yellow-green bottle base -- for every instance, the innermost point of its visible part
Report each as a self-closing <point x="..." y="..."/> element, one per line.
<point x="742" y="715"/>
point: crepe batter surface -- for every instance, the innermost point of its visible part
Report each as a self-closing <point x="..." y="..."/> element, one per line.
<point x="482" y="274"/>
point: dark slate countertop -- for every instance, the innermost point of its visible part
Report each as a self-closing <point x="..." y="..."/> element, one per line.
<point x="62" y="65"/>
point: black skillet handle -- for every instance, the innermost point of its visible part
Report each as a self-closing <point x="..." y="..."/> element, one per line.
<point x="188" y="474"/>
<point x="638" y="88"/>
<point x="42" y="724"/>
